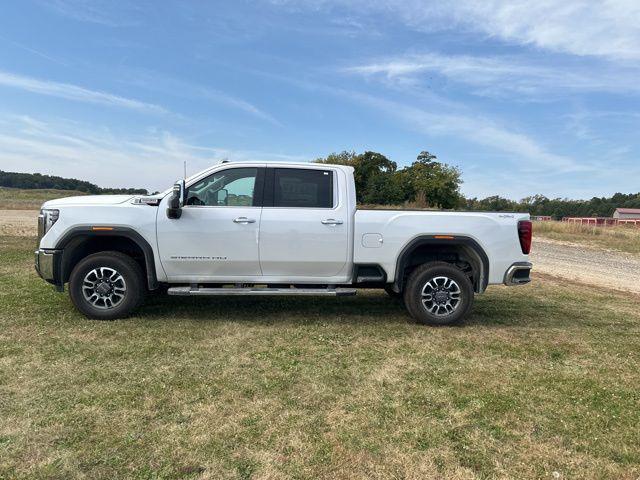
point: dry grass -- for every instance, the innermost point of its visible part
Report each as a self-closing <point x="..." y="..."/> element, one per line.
<point x="542" y="379"/>
<point x="31" y="199"/>
<point x="622" y="238"/>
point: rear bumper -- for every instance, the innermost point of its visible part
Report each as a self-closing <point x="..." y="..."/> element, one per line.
<point x="518" y="273"/>
<point x="47" y="263"/>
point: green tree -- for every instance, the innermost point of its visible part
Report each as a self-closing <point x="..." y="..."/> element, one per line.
<point x="438" y="183"/>
<point x="378" y="180"/>
<point x="343" y="158"/>
<point x="372" y="171"/>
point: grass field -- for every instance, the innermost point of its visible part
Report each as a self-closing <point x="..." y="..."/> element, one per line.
<point x="623" y="238"/>
<point x="25" y="199"/>
<point x="542" y="382"/>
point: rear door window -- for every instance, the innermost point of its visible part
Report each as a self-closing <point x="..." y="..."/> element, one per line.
<point x="303" y="188"/>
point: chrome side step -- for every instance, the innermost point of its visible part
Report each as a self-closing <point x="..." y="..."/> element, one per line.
<point x="204" y="291"/>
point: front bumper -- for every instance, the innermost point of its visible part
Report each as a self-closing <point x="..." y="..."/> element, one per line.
<point x="47" y="263"/>
<point x="518" y="273"/>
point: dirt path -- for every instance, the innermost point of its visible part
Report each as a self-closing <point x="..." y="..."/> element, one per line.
<point x="582" y="263"/>
<point x="587" y="264"/>
<point x="19" y="223"/>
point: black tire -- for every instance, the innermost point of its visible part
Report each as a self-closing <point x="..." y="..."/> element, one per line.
<point x="439" y="307"/>
<point x="122" y="295"/>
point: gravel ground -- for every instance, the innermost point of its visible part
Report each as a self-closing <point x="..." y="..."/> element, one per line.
<point x="573" y="261"/>
<point x="19" y="223"/>
<point x="586" y="264"/>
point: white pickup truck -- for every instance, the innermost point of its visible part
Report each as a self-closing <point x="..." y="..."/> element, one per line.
<point x="274" y="229"/>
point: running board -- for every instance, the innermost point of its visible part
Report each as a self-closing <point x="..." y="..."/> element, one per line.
<point x="203" y="291"/>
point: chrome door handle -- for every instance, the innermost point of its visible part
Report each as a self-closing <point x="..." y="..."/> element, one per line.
<point x="331" y="221"/>
<point x="244" y="220"/>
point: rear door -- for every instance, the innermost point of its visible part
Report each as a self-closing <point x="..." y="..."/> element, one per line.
<point x="304" y="228"/>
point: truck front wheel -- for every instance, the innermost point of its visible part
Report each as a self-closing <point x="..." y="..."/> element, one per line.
<point x="438" y="293"/>
<point x="106" y="285"/>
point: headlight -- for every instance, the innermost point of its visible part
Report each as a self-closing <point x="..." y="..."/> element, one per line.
<point x="46" y="219"/>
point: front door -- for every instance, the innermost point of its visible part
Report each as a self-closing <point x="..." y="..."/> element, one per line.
<point x="304" y="229"/>
<point x="216" y="238"/>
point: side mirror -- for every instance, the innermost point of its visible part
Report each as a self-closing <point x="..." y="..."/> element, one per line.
<point x="176" y="201"/>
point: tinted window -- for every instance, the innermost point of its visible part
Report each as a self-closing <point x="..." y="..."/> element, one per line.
<point x="233" y="188"/>
<point x="303" y="188"/>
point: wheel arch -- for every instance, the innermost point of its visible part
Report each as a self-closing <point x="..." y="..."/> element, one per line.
<point x="434" y="247"/>
<point x="81" y="241"/>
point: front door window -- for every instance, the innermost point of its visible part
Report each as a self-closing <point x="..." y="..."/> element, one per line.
<point x="234" y="187"/>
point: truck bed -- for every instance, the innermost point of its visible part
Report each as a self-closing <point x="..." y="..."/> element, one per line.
<point x="380" y="235"/>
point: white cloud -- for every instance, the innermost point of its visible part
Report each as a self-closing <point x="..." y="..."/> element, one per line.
<point x="34" y="51"/>
<point x="234" y="102"/>
<point x="521" y="149"/>
<point x="524" y="166"/>
<point x="499" y="75"/>
<point x="100" y="12"/>
<point x="166" y="84"/>
<point x="154" y="159"/>
<point x="151" y="160"/>
<point x="607" y="28"/>
<point x="449" y="119"/>
<point x="74" y="92"/>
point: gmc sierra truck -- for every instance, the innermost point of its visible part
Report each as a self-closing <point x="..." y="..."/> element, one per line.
<point x="274" y="229"/>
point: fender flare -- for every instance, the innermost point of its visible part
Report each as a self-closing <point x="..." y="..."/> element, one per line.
<point x="469" y="243"/>
<point x="123" y="232"/>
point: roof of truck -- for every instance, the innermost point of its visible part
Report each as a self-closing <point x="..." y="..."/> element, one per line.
<point x="268" y="164"/>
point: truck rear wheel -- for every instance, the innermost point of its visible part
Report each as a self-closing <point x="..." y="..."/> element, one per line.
<point x="438" y="293"/>
<point x="106" y="285"/>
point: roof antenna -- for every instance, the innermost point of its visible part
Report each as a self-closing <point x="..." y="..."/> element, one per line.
<point x="185" y="169"/>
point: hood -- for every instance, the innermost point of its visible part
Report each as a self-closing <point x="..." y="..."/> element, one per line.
<point x="88" y="200"/>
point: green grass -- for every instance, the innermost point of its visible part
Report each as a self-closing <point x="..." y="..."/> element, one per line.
<point x="31" y="199"/>
<point x="541" y="379"/>
<point x="622" y="238"/>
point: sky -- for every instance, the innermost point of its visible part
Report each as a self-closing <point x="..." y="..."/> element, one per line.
<point x="525" y="97"/>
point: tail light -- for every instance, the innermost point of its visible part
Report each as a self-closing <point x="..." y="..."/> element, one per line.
<point x="525" y="233"/>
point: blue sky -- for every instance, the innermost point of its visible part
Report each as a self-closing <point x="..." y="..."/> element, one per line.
<point x="524" y="96"/>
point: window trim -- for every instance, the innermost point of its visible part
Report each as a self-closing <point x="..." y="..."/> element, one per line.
<point x="258" y="189"/>
<point x="269" y="192"/>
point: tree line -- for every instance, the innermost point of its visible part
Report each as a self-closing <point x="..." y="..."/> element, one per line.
<point x="425" y="183"/>
<point x="558" y="207"/>
<point x="37" y="180"/>
<point x="428" y="183"/>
